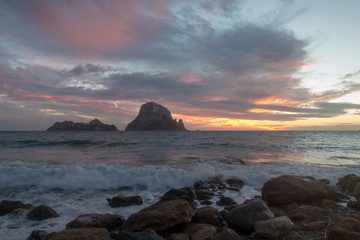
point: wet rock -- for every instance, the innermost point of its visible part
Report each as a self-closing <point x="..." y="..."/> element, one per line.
<point x="356" y="191"/>
<point x="108" y="221"/>
<point x="179" y="236"/>
<point x="234" y="184"/>
<point x="305" y="212"/>
<point x="80" y="234"/>
<point x="38" y="235"/>
<point x="348" y="182"/>
<point x="160" y="216"/>
<point x="244" y="216"/>
<point x="274" y="228"/>
<point x="9" y="206"/>
<point x="147" y="234"/>
<point x="205" y="234"/>
<point x="329" y="204"/>
<point x="202" y="190"/>
<point x="153" y="116"/>
<point x="326" y="181"/>
<point x="227" y="234"/>
<point x="313" y="226"/>
<point x="186" y="193"/>
<point x="225" y="201"/>
<point x="122" y="201"/>
<point x="206" y="202"/>
<point x="209" y="215"/>
<point x="42" y="212"/>
<point x="287" y="189"/>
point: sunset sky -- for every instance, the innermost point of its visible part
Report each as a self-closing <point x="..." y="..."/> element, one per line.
<point x="218" y="65"/>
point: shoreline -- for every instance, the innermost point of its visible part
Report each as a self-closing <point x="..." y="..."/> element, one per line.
<point x="328" y="209"/>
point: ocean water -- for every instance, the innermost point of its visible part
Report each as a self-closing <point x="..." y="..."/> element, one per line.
<point x="74" y="172"/>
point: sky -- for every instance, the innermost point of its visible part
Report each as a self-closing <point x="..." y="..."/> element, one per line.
<point x="218" y="65"/>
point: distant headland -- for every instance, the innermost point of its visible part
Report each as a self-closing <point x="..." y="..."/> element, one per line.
<point x="94" y="125"/>
<point x="154" y="117"/>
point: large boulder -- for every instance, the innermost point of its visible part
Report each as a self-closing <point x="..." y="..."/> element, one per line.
<point x="122" y="201"/>
<point x="42" y="212"/>
<point x="186" y="193"/>
<point x="108" y="221"/>
<point x="200" y="231"/>
<point x="305" y="212"/>
<point x="160" y="216"/>
<point x="274" y="228"/>
<point x="349" y="182"/>
<point x="243" y="217"/>
<point x="94" y="125"/>
<point x="9" y="206"/>
<point x="153" y="116"/>
<point x="80" y="234"/>
<point x="287" y="189"/>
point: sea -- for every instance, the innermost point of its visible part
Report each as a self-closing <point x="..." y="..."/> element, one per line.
<point x="75" y="172"/>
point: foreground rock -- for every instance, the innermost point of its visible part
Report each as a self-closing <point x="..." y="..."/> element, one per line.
<point x="160" y="216"/>
<point x="147" y="234"/>
<point x="80" y="234"/>
<point x="108" y="221"/>
<point x="200" y="231"/>
<point x="153" y="116"/>
<point x="209" y="215"/>
<point x="346" y="228"/>
<point x="349" y="182"/>
<point x="244" y="216"/>
<point x="9" y="206"/>
<point x="274" y="228"/>
<point x="94" y="125"/>
<point x="227" y="234"/>
<point x="42" y="212"/>
<point x="122" y="201"/>
<point x="287" y="189"/>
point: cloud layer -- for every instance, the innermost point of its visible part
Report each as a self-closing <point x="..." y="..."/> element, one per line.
<point x="200" y="59"/>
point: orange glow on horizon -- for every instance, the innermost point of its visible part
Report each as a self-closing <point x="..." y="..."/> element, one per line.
<point x="275" y="100"/>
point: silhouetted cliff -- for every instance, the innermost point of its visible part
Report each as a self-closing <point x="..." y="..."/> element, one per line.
<point x="94" y="125"/>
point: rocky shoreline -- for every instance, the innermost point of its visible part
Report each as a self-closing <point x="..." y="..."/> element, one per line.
<point x="290" y="207"/>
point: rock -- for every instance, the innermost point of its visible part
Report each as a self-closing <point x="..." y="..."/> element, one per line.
<point x="329" y="204"/>
<point x="314" y="226"/>
<point x="9" y="206"/>
<point x="38" y="235"/>
<point x="80" y="234"/>
<point x="326" y="181"/>
<point x="94" y="125"/>
<point x="244" y="216"/>
<point x="234" y="184"/>
<point x="346" y="228"/>
<point x="287" y="189"/>
<point x="160" y="216"/>
<point x="225" y="201"/>
<point x="186" y="193"/>
<point x="147" y="234"/>
<point x="274" y="228"/>
<point x="42" y="212"/>
<point x="206" y="202"/>
<point x="153" y="116"/>
<point x="205" y="234"/>
<point x="209" y="215"/>
<point x="348" y="182"/>
<point x="305" y="212"/>
<point x="356" y="191"/>
<point x="227" y="234"/>
<point x="201" y="229"/>
<point x="206" y="190"/>
<point x="122" y="201"/>
<point x="108" y="221"/>
<point x="179" y="236"/>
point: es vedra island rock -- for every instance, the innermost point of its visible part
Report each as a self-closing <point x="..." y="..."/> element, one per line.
<point x="154" y="117"/>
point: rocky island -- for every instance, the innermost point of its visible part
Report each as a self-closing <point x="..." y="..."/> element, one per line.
<point x="94" y="125"/>
<point x="154" y="117"/>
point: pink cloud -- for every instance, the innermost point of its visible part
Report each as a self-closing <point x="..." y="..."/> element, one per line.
<point x="190" y="78"/>
<point x="91" y="28"/>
